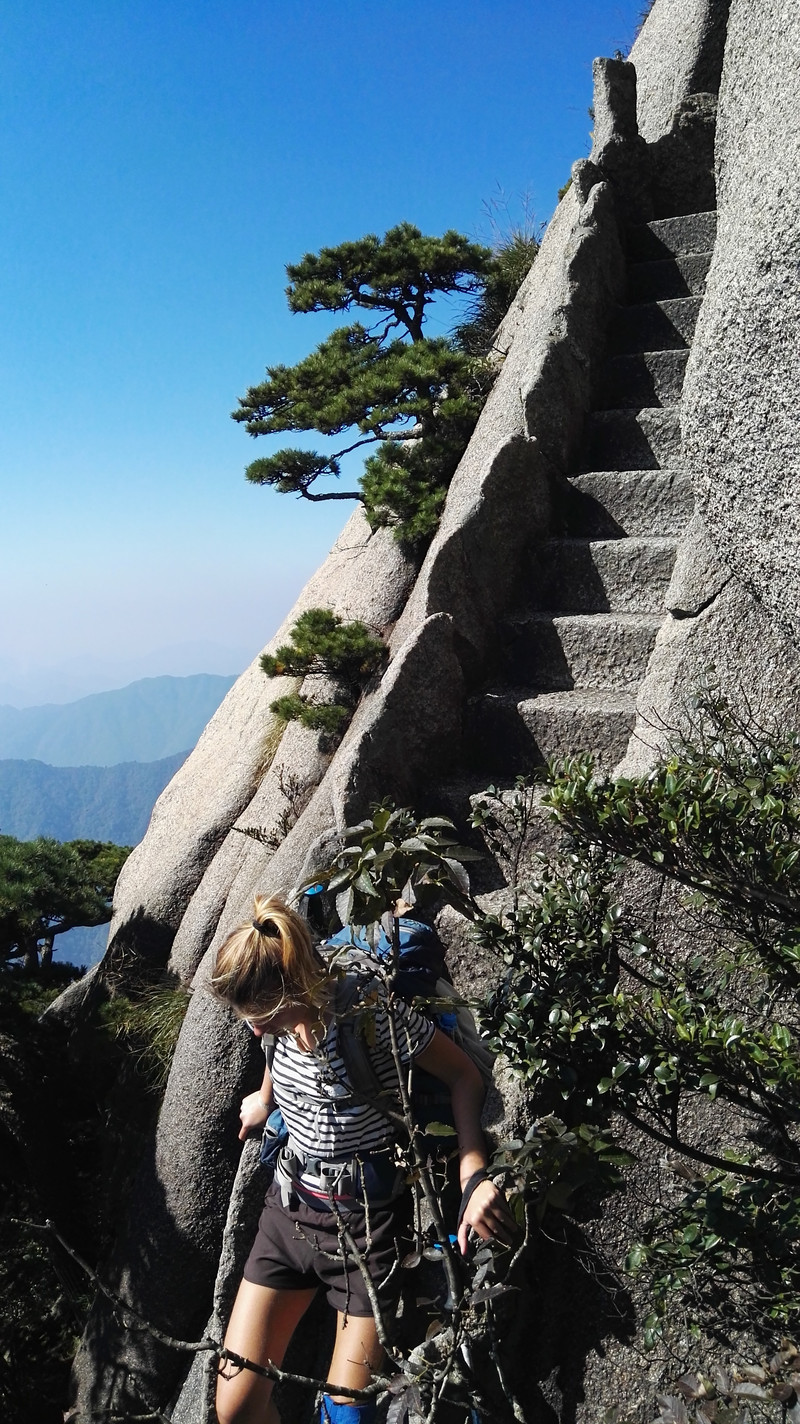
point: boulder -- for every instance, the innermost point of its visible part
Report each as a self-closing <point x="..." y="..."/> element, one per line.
<point x="698" y="575"/>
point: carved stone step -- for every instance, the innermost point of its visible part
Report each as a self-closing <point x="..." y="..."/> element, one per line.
<point x="649" y="378"/>
<point x="655" y="326"/>
<point x="514" y="729"/>
<point x="581" y="650"/>
<point x="669" y="277"/>
<point x="631" y="440"/>
<point x="598" y="575"/>
<point x="672" y="237"/>
<point x="643" y="503"/>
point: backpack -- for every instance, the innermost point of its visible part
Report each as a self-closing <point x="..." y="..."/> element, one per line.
<point x="421" y="973"/>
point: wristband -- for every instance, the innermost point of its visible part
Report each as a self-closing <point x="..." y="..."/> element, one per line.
<point x="482" y="1175"/>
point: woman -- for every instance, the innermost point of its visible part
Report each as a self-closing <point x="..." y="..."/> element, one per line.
<point x="270" y="974"/>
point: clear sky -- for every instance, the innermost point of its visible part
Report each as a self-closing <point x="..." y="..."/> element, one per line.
<point x="160" y="162"/>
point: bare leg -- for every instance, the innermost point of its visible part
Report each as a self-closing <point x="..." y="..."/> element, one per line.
<point x="356" y="1355"/>
<point x="261" y="1325"/>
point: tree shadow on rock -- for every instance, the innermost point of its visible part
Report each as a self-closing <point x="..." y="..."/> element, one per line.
<point x="571" y="1304"/>
<point x="140" y="940"/>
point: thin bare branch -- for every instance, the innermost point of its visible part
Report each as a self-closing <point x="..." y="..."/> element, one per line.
<point x="194" y="1347"/>
<point x="369" y="1284"/>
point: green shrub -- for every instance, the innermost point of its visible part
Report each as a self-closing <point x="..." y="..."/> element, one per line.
<point x="322" y="643"/>
<point x="405" y="487"/>
<point x="326" y="717"/>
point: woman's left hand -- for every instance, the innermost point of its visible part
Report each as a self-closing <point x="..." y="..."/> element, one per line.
<point x="488" y="1214"/>
<point x="253" y="1113"/>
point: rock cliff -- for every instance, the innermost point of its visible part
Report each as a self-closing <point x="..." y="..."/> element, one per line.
<point x="624" y="515"/>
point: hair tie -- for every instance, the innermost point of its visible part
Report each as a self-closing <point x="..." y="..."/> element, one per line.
<point x="266" y="927"/>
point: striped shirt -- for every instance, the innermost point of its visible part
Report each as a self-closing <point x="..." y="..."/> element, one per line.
<point x="315" y="1097"/>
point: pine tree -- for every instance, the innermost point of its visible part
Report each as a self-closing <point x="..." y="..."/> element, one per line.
<point x="414" y="399"/>
<point x="48" y="887"/>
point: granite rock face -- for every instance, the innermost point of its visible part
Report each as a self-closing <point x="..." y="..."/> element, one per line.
<point x="365" y="576"/>
<point x="166" y="1256"/>
<point x="735" y="592"/>
<point x="740" y="403"/>
<point x="682" y="161"/>
<point x="530" y="427"/>
<point x="295" y="771"/>
<point x="679" y="52"/>
<point x="618" y="150"/>
<point x="413" y="718"/>
<point x="750" y="654"/>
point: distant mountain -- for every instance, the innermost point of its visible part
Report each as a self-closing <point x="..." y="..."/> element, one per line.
<point x="151" y="719"/>
<point x="104" y="803"/>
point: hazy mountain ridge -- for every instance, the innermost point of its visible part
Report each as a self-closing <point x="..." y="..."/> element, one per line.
<point x="105" y="803"/>
<point x="145" y="722"/>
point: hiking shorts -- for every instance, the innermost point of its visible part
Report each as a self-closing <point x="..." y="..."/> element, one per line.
<point x="299" y="1249"/>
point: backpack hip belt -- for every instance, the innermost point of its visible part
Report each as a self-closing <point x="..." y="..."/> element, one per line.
<point x="353" y="1180"/>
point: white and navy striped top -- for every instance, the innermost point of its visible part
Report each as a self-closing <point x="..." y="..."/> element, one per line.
<point x="315" y="1097"/>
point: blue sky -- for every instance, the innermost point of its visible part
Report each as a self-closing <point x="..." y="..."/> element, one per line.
<point x="159" y="165"/>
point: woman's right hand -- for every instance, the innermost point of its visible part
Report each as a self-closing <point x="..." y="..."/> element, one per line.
<point x="254" y="1113"/>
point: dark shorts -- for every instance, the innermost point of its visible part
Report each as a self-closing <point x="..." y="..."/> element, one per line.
<point x="299" y="1249"/>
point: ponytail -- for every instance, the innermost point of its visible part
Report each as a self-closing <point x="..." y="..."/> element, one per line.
<point x="269" y="964"/>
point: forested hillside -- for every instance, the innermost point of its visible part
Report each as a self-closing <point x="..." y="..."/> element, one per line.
<point x="146" y="721"/>
<point x="110" y="803"/>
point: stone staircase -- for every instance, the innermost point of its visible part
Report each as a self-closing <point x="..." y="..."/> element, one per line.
<point x="578" y="641"/>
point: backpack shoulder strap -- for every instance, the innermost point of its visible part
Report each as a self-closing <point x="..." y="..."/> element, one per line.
<point x="467" y="1035"/>
<point x="364" y="1082"/>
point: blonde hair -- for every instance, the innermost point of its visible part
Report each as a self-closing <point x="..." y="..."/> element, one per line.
<point x="269" y="964"/>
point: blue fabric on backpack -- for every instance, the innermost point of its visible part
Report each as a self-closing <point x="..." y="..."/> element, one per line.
<point x="276" y="1136"/>
<point x="421" y="960"/>
<point x="362" y="1413"/>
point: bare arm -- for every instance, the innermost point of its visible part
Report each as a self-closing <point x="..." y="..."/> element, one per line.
<point x="256" y="1107"/>
<point x="486" y="1212"/>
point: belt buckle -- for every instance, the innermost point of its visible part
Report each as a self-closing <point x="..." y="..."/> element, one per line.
<point x="337" y="1174"/>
